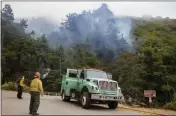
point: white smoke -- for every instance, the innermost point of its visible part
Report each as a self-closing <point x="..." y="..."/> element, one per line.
<point x="46" y="73"/>
<point x="124" y="27"/>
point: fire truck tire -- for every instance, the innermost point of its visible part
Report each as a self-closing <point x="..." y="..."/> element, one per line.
<point x="64" y="97"/>
<point x="85" y="100"/>
<point x="112" y="105"/>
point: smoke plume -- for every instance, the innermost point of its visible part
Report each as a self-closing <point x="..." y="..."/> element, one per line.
<point x="100" y="28"/>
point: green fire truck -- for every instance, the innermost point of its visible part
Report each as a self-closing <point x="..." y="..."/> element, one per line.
<point x="90" y="86"/>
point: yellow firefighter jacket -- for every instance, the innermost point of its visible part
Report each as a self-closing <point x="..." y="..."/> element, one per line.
<point x="36" y="85"/>
<point x="22" y="82"/>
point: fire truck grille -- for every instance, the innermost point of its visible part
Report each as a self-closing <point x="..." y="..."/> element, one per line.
<point x="108" y="86"/>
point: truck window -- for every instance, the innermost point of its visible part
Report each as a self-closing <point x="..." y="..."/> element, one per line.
<point x="82" y="74"/>
<point x="72" y="74"/>
<point x="96" y="74"/>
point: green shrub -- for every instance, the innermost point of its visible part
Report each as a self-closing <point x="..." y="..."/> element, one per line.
<point x="9" y="86"/>
<point x="170" y="106"/>
<point x="13" y="86"/>
<point x="25" y="88"/>
<point x="129" y="103"/>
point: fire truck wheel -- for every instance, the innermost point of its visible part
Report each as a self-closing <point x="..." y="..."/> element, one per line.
<point x="85" y="100"/>
<point x="64" y="97"/>
<point x="113" y="105"/>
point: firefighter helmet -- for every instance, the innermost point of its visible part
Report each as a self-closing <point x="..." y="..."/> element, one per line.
<point x="37" y="74"/>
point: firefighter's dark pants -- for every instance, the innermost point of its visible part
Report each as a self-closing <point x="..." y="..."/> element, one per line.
<point x="35" y="102"/>
<point x="20" y="91"/>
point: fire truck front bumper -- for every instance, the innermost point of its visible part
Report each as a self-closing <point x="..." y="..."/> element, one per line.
<point x="102" y="97"/>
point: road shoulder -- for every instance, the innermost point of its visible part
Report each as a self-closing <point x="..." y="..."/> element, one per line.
<point x="149" y="111"/>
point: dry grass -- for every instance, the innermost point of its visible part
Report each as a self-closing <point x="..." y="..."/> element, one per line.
<point x="152" y="110"/>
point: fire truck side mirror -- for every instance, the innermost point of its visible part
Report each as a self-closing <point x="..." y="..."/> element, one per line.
<point x="109" y="75"/>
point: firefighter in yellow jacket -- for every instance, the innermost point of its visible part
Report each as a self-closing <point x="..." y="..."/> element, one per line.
<point x="20" y="88"/>
<point x="36" y="89"/>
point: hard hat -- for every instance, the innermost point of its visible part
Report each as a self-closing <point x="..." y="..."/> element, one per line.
<point x="22" y="77"/>
<point x="37" y="74"/>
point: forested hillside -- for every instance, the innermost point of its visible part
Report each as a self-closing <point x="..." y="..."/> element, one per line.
<point x="140" y="53"/>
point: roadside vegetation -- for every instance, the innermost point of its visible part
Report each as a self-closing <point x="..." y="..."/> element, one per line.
<point x="13" y="87"/>
<point x="152" y="65"/>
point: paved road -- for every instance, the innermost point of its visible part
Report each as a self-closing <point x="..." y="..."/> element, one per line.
<point x="52" y="105"/>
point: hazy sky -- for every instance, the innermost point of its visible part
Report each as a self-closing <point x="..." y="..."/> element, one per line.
<point x="58" y="10"/>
